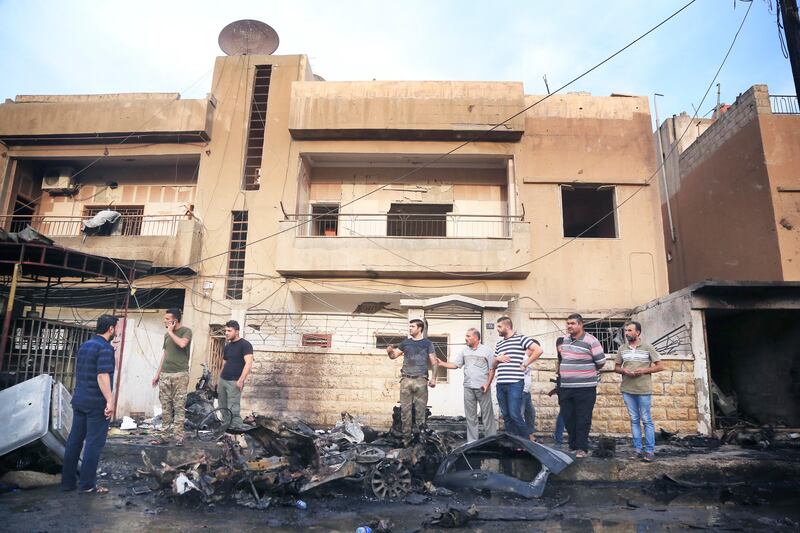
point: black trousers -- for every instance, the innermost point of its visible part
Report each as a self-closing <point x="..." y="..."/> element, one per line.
<point x="576" y="408"/>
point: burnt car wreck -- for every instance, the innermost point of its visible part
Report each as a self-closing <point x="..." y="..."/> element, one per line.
<point x="286" y="458"/>
<point x="489" y="464"/>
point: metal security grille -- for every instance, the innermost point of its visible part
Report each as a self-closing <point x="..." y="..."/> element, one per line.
<point x="234" y="283"/>
<point x="38" y="346"/>
<point x="216" y="346"/>
<point x="256" y="128"/>
<point x="608" y="332"/>
<point x="131" y="216"/>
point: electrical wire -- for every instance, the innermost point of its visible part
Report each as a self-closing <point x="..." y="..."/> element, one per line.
<point x="459" y="146"/>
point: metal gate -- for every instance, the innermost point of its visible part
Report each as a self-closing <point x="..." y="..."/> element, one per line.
<point x="40" y="346"/>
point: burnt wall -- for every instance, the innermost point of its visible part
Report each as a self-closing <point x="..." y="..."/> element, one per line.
<point x="756" y="354"/>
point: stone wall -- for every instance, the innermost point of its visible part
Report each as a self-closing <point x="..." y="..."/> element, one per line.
<point x="673" y="408"/>
<point x="317" y="385"/>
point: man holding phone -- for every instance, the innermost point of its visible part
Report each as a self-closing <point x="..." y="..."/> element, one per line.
<point x="172" y="377"/>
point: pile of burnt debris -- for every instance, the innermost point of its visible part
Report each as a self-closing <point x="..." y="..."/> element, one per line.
<point x="280" y="459"/>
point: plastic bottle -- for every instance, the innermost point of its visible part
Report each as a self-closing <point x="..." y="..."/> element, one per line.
<point x="364" y="529"/>
<point x="300" y="504"/>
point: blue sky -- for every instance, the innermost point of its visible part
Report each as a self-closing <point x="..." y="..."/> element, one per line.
<point x="50" y="47"/>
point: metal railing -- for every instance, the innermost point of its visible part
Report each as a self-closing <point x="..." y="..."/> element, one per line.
<point x="39" y="346"/>
<point x="404" y="225"/>
<point x="57" y="226"/>
<point x="784" y="104"/>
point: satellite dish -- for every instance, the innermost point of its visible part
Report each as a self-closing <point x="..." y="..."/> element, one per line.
<point x="247" y="37"/>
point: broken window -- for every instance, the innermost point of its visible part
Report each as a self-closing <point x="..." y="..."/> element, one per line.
<point x="234" y="284"/>
<point x="132" y="216"/>
<point x="418" y="220"/>
<point x="608" y="332"/>
<point x="318" y="340"/>
<point x="588" y="211"/>
<point x="256" y="128"/>
<point x="325" y="220"/>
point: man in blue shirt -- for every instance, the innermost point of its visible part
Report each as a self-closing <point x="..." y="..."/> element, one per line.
<point x="92" y="408"/>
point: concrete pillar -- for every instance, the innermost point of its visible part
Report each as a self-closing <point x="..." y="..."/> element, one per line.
<point x="701" y="374"/>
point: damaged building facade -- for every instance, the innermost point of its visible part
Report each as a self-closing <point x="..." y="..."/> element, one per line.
<point x="323" y="216"/>
<point x="731" y="217"/>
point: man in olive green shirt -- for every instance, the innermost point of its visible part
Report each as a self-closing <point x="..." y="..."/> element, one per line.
<point x="636" y="361"/>
<point x="172" y="377"/>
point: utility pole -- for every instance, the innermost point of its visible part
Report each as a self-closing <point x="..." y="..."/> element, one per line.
<point x="791" y="27"/>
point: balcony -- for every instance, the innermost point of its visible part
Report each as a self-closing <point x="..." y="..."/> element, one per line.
<point x="92" y="119"/>
<point x="404" y="245"/>
<point x="165" y="240"/>
<point x="425" y="110"/>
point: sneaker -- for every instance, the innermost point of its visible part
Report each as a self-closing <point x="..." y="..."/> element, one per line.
<point x="580" y="454"/>
<point x="638" y="454"/>
<point x="648" y="457"/>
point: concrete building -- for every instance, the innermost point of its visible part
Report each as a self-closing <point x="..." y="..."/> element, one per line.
<point x="354" y="221"/>
<point x="733" y="192"/>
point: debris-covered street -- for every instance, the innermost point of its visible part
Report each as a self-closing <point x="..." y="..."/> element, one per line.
<point x="698" y="483"/>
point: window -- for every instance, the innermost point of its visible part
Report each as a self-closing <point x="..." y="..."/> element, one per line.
<point x="418" y="220"/>
<point x="132" y="216"/>
<point x="608" y="332"/>
<point x="589" y="211"/>
<point x="325" y="219"/>
<point x="439" y="346"/>
<point x="234" y="284"/>
<point x="382" y="341"/>
<point x="318" y="340"/>
<point x="256" y="128"/>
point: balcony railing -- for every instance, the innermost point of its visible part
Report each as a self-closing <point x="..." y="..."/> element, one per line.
<point x="784" y="104"/>
<point x="404" y="225"/>
<point x="56" y="226"/>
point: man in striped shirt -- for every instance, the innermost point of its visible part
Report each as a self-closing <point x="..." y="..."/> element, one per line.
<point x="636" y="361"/>
<point x="581" y="358"/>
<point x="513" y="354"/>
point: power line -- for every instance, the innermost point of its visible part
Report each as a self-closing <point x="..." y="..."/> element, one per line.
<point x="460" y="146"/>
<point x="599" y="221"/>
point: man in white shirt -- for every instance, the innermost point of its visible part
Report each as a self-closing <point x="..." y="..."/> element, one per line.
<point x="478" y="363"/>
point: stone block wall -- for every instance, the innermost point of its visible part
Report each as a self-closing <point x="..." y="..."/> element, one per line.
<point x="674" y="406"/>
<point x="317" y="385"/>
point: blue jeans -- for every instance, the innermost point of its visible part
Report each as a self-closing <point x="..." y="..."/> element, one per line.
<point x="89" y="431"/>
<point x="558" y="435"/>
<point x="509" y="397"/>
<point x="639" y="410"/>
<point x="528" y="412"/>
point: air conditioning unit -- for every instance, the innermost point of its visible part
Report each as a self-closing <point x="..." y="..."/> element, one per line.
<point x="58" y="181"/>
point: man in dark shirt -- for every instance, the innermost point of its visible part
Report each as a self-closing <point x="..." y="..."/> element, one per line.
<point x="92" y="408"/>
<point x="417" y="352"/>
<point x="238" y="356"/>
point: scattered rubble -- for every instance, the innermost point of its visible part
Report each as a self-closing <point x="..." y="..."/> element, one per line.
<point x="285" y="458"/>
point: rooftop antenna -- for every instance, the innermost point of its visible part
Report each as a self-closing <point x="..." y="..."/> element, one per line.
<point x="248" y="37"/>
<point x="546" y="85"/>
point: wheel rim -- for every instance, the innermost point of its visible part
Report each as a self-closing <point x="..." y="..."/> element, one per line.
<point x="390" y="480"/>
